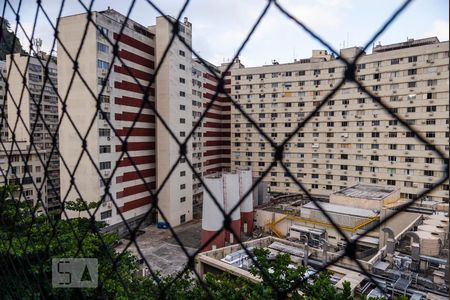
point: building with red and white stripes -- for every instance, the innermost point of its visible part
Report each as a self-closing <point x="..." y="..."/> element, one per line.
<point x="107" y="95"/>
<point x="182" y="90"/>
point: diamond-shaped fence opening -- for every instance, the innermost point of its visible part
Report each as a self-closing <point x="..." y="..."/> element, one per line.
<point x="105" y="101"/>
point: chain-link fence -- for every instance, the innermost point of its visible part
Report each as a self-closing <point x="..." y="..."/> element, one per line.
<point x="32" y="231"/>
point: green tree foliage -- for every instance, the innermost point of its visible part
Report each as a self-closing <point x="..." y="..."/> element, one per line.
<point x="9" y="43"/>
<point x="29" y="242"/>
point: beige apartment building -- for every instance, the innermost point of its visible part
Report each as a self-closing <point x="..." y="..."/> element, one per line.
<point x="173" y="103"/>
<point x="38" y="105"/>
<point x="21" y="166"/>
<point x="351" y="139"/>
<point x="112" y="94"/>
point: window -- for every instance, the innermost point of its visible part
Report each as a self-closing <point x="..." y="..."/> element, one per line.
<point x="105" y="165"/>
<point x="105" y="149"/>
<point x="106" y="214"/>
<point x="182" y="199"/>
<point x="182" y="67"/>
<point x="431" y="108"/>
<point x="412" y="84"/>
<point x="429" y="160"/>
<point x="104" y="115"/>
<point x="374" y="157"/>
<point x="182" y="80"/>
<point x="412" y="72"/>
<point x="409" y="159"/>
<point x="104" y="132"/>
<point x="395" y="61"/>
<point x="182" y="219"/>
<point x="411" y="109"/>
<point x="392" y="134"/>
<point x="431" y="82"/>
<point x="182" y="186"/>
<point x="104" y="99"/>
<point x="102" y="64"/>
<point x="430" y="134"/>
<point x="182" y="107"/>
<point x="391" y="182"/>
<point x="102" y="30"/>
<point x="331" y="70"/>
<point x="102" y="47"/>
<point x="182" y="53"/>
<point x="182" y="94"/>
<point x="412" y="59"/>
<point x="428" y="173"/>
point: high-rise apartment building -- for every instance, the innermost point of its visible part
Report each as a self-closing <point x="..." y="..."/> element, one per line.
<point x="21" y="167"/>
<point x="108" y="94"/>
<point x="180" y="93"/>
<point x="173" y="103"/>
<point x="211" y="140"/>
<point x="32" y="90"/>
<point x="351" y="139"/>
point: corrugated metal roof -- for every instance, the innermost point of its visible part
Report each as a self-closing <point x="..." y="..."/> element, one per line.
<point x="343" y="209"/>
<point x="367" y="191"/>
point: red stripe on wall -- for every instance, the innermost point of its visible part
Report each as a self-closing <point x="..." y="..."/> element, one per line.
<point x="133" y="87"/>
<point x="217" y="143"/>
<point x="129" y="71"/>
<point x="216" y="161"/>
<point x="210" y="77"/>
<point x="129" y="116"/>
<point x="128" y="40"/>
<point x="136" y="131"/>
<point x="216" y="125"/>
<point x="129" y="176"/>
<point x="135" y="146"/>
<point x="133" y="102"/>
<point x="216" y="134"/>
<point x="217" y="152"/>
<point x="215" y="170"/>
<point x="137" y="160"/>
<point x="135" y="189"/>
<point x="217" y="116"/>
<point x="137" y="59"/>
<point x="135" y="204"/>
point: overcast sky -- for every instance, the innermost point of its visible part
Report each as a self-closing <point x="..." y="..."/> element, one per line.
<point x="220" y="26"/>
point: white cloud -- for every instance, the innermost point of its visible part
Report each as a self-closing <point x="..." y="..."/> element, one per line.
<point x="440" y="29"/>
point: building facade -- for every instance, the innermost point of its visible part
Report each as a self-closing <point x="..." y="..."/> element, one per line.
<point x="38" y="104"/>
<point x="109" y="93"/>
<point x="351" y="139"/>
<point x="20" y="166"/>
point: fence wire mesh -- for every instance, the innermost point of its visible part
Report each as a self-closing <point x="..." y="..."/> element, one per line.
<point x="15" y="244"/>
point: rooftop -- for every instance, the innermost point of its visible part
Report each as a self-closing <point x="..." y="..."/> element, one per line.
<point x="343" y="209"/>
<point x="366" y="191"/>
